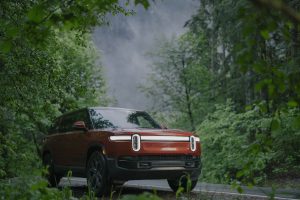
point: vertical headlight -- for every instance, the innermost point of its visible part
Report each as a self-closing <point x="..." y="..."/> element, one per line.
<point x="193" y="143"/>
<point x="136" y="142"/>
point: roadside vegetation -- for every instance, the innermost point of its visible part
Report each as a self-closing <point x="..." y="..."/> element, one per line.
<point x="48" y="66"/>
<point x="233" y="77"/>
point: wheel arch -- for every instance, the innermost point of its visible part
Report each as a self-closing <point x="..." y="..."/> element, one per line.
<point x="92" y="149"/>
<point x="45" y="152"/>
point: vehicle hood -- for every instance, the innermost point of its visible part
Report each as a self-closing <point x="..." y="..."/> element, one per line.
<point x="154" y="132"/>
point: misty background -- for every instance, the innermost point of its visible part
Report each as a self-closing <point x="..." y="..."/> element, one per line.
<point x="124" y="45"/>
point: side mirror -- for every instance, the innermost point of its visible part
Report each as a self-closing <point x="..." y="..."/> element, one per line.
<point x="79" y="125"/>
<point x="163" y="126"/>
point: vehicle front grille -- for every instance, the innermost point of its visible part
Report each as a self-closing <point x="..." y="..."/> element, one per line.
<point x="149" y="161"/>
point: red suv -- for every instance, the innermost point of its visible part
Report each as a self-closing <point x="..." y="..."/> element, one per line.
<point x="113" y="145"/>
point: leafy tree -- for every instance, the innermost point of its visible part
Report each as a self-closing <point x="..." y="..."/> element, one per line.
<point x="35" y="19"/>
<point x="44" y="82"/>
<point x="179" y="82"/>
<point x="255" y="53"/>
<point x="250" y="50"/>
<point x="237" y="146"/>
<point x="48" y="65"/>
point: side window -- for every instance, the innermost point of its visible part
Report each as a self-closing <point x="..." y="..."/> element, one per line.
<point x="67" y="123"/>
<point x="68" y="120"/>
<point x="83" y="116"/>
<point x="99" y="121"/>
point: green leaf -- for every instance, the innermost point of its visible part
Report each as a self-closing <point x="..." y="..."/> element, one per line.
<point x="271" y="89"/>
<point x="248" y="107"/>
<point x="259" y="86"/>
<point x="239" y="174"/>
<point x="5" y="46"/>
<point x="296" y="122"/>
<point x="36" y="14"/>
<point x="292" y="104"/>
<point x="265" y="34"/>
<point x="179" y="191"/>
<point x="240" y="189"/>
<point x="145" y="3"/>
<point x="12" y="31"/>
<point x="275" y="125"/>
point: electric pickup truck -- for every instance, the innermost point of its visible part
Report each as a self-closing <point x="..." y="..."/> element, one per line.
<point x="110" y="146"/>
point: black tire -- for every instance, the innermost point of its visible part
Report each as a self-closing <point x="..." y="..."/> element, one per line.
<point x="182" y="182"/>
<point x="53" y="179"/>
<point x="96" y="174"/>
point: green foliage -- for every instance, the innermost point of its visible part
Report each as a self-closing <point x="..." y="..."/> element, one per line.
<point x="30" y="187"/>
<point x="39" y="84"/>
<point x="253" y="52"/>
<point x="48" y="66"/>
<point x="17" y="156"/>
<point x="241" y="53"/>
<point x="245" y="147"/>
<point x="35" y="19"/>
<point x="184" y="190"/>
<point x="179" y="82"/>
<point x="145" y="3"/>
<point x="144" y="196"/>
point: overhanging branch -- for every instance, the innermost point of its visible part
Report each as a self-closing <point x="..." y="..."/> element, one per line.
<point x="279" y="6"/>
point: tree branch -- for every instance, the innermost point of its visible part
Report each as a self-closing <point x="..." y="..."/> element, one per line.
<point x="279" y="6"/>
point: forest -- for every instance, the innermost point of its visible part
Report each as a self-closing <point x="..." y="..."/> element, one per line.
<point x="233" y="78"/>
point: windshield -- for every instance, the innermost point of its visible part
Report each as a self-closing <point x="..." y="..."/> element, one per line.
<point x="121" y="118"/>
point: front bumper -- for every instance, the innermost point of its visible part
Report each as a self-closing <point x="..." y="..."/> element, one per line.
<point x="153" y="167"/>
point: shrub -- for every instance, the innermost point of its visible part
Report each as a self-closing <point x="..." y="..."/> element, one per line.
<point x="144" y="196"/>
<point x="250" y="146"/>
<point x="31" y="187"/>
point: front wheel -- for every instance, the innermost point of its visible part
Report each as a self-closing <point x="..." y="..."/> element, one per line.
<point x="97" y="174"/>
<point x="182" y="182"/>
